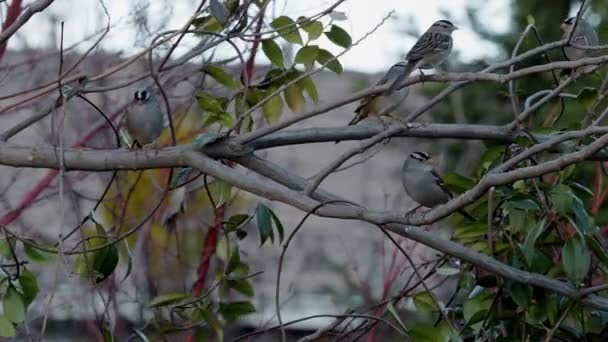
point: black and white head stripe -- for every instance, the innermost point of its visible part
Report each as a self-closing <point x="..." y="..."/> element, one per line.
<point x="141" y="95"/>
<point x="444" y="22"/>
<point x="420" y="156"/>
<point x="570" y="21"/>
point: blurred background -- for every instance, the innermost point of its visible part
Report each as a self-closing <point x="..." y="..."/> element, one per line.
<point x="331" y="265"/>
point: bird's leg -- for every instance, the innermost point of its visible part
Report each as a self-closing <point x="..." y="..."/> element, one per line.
<point x="422" y="75"/>
<point x="135" y="145"/>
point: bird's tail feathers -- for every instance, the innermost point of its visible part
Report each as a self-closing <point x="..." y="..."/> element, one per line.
<point x="407" y="70"/>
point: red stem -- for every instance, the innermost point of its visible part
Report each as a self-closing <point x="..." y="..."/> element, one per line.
<point x="250" y="65"/>
<point x="600" y="196"/>
<point x="14" y="9"/>
<point x="208" y="250"/>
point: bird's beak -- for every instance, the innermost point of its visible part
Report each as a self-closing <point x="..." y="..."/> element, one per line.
<point x="432" y="162"/>
<point x="455" y="28"/>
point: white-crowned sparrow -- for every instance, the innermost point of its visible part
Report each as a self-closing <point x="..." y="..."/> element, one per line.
<point x="583" y="35"/>
<point x="422" y="183"/>
<point x="144" y="118"/>
<point x="431" y="49"/>
<point x="382" y="104"/>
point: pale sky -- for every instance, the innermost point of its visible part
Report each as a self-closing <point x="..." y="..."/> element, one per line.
<point x="376" y="53"/>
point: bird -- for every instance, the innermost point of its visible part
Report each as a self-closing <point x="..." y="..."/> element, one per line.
<point x="422" y="183"/>
<point x="382" y="104"/>
<point x="144" y="118"/>
<point x="431" y="49"/>
<point x="583" y="35"/>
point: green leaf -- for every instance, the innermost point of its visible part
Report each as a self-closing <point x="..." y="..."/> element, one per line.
<point x="533" y="235"/>
<point x="525" y="204"/>
<point x="287" y="29"/>
<point x="339" y="36"/>
<point x="5" y="248"/>
<point x="14" y="308"/>
<point x="181" y="175"/>
<point x="324" y="57"/>
<point x="562" y="198"/>
<point x="208" y="103"/>
<point x="582" y="219"/>
<point x="470" y="232"/>
<point x="7" y="329"/>
<point x="253" y="96"/>
<point x="595" y="245"/>
<point x="308" y="85"/>
<point x="234" y="310"/>
<point x="107" y="335"/>
<point x="307" y="55"/>
<point x="447" y="271"/>
<point x="212" y="320"/>
<point x="314" y="29"/>
<point x="129" y="260"/>
<point x="294" y="98"/>
<point x="235" y="221"/>
<point x="243" y="286"/>
<point x="207" y="23"/>
<point x="458" y="183"/>
<point x="36" y="255"/>
<point x="278" y="225"/>
<point x="234" y="262"/>
<point x="105" y="260"/>
<point x="29" y="286"/>
<point x="220" y="191"/>
<point x="223" y="118"/>
<point x="264" y="223"/>
<point x="429" y="333"/>
<point x="424" y="302"/>
<point x="221" y="76"/>
<point x="273" y="108"/>
<point x="466" y="281"/>
<point x="273" y="51"/>
<point x="576" y="260"/>
<point x="520" y="294"/>
<point x="167" y="299"/>
<point x="530" y="19"/>
<point x="219" y="11"/>
<point x="475" y="309"/>
<point x="541" y="263"/>
<point x="587" y="97"/>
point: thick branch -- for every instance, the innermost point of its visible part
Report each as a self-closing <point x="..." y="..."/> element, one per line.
<point x="34" y="8"/>
<point x="122" y="159"/>
<point x="279" y="193"/>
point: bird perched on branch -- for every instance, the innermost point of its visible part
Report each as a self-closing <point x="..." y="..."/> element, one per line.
<point x="583" y="35"/>
<point x="382" y="104"/>
<point x="144" y="118"/>
<point x="422" y="183"/>
<point x="431" y="49"/>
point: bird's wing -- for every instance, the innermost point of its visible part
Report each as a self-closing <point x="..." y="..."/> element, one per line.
<point x="581" y="40"/>
<point x="428" y="44"/>
<point x="439" y="181"/>
<point x="395" y="71"/>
